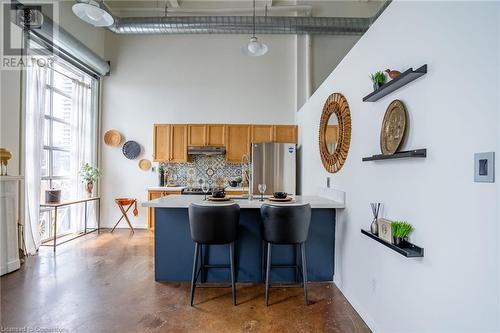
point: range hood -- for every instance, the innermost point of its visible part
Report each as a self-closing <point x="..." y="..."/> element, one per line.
<point x="209" y="151"/>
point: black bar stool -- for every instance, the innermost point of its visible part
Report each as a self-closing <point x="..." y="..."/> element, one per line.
<point x="285" y="225"/>
<point x="212" y="225"/>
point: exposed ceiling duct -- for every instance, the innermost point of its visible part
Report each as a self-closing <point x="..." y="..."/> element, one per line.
<point x="243" y="25"/>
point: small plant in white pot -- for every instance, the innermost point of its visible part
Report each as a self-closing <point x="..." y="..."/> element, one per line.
<point x="89" y="176"/>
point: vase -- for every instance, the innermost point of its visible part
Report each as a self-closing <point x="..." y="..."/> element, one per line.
<point x="89" y="187"/>
<point x="161" y="179"/>
<point x="374" y="227"/>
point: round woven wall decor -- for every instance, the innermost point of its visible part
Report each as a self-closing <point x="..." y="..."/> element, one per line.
<point x="335" y="104"/>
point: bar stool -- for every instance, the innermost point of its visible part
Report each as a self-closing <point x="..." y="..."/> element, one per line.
<point x="211" y="225"/>
<point x="122" y="203"/>
<point x="285" y="225"/>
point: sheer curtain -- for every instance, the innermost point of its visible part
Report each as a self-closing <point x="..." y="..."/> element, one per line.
<point x="36" y="78"/>
<point x="83" y="148"/>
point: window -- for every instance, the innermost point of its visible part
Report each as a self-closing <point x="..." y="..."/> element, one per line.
<point x="59" y="161"/>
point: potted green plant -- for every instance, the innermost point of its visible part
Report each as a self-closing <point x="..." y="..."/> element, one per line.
<point x="161" y="175"/>
<point x="89" y="176"/>
<point x="400" y="231"/>
<point x="378" y="79"/>
<point x="235" y="182"/>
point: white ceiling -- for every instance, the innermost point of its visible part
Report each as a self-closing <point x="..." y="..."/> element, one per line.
<point x="350" y="8"/>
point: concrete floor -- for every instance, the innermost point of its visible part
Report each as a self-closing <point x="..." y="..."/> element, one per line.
<point x="105" y="283"/>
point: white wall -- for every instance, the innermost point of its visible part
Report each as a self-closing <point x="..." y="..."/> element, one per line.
<point x="186" y="79"/>
<point x="453" y="112"/>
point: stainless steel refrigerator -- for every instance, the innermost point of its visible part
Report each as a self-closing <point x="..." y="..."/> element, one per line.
<point x="273" y="164"/>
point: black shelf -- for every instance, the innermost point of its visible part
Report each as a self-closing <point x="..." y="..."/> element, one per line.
<point x="408" y="250"/>
<point x="403" y="79"/>
<point x="416" y="153"/>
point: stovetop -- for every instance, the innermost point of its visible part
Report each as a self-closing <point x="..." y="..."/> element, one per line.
<point x="195" y="191"/>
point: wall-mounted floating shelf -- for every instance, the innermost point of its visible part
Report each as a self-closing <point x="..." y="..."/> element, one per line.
<point x="416" y="153"/>
<point x="402" y="80"/>
<point x="408" y="250"/>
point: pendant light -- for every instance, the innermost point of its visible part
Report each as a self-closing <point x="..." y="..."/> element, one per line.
<point x="94" y="13"/>
<point x="255" y="48"/>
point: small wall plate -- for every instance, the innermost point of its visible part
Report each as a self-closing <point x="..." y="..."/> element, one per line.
<point x="484" y="167"/>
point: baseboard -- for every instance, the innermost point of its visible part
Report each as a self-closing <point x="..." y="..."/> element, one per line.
<point x="10" y="266"/>
<point x="359" y="309"/>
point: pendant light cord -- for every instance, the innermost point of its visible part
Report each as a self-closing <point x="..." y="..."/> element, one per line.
<point x="253" y="18"/>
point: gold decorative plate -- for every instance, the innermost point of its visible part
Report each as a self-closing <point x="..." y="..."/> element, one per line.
<point x="393" y="127"/>
<point x="112" y="138"/>
<point x="145" y="164"/>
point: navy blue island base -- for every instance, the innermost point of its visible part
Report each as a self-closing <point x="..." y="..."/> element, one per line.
<point x="174" y="249"/>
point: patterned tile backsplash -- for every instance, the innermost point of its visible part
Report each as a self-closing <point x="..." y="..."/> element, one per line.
<point x="212" y="169"/>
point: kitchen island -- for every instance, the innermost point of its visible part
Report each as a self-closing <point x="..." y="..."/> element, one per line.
<point x="174" y="249"/>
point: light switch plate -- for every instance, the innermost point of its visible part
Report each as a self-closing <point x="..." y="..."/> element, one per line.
<point x="484" y="167"/>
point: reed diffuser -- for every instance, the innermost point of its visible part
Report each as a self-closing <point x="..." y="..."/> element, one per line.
<point x="375" y="210"/>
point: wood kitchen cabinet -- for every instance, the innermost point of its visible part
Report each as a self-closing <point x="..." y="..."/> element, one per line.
<point x="197" y="135"/>
<point x="178" y="143"/>
<point x="331" y="134"/>
<point x="285" y="134"/>
<point x="237" y="142"/>
<point x="170" y="143"/>
<point x="161" y="143"/>
<point x="151" y="212"/>
<point x="200" y="135"/>
<point x="216" y="135"/>
<point x="262" y="133"/>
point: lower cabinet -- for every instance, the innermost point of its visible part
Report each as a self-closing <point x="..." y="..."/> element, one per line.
<point x="151" y="212"/>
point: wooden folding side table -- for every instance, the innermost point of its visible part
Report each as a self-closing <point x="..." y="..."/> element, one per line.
<point x="124" y="202"/>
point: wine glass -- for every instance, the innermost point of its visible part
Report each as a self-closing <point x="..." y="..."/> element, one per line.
<point x="205" y="188"/>
<point x="262" y="190"/>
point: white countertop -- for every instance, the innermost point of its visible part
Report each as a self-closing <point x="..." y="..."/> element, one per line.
<point x="236" y="189"/>
<point x="183" y="201"/>
<point x="166" y="188"/>
<point x="179" y="188"/>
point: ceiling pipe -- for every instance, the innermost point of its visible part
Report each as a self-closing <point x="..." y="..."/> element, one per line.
<point x="179" y="11"/>
<point x="278" y="25"/>
<point x="241" y="25"/>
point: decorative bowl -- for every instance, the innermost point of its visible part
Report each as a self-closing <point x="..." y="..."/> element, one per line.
<point x="219" y="194"/>
<point x="280" y="195"/>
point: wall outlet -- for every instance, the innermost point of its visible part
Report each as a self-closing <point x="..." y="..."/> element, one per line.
<point x="328" y="183"/>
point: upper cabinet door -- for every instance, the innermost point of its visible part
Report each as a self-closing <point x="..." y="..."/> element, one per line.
<point x="178" y="143"/>
<point x="197" y="135"/>
<point x="237" y="142"/>
<point x="285" y="133"/>
<point x="262" y="133"/>
<point x="216" y="135"/>
<point x="161" y="143"/>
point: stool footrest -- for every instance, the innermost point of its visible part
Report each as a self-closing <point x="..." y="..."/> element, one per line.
<point x="285" y="266"/>
<point x="285" y="285"/>
<point x="217" y="266"/>
<point x="213" y="285"/>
